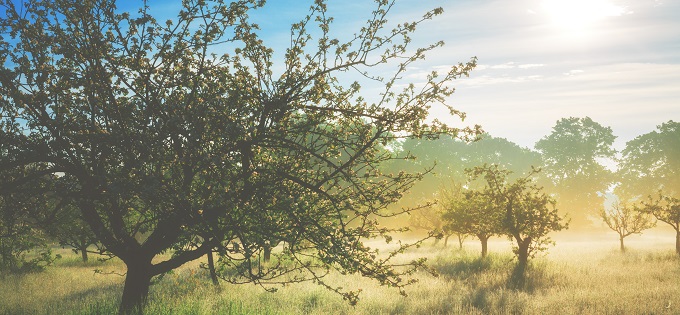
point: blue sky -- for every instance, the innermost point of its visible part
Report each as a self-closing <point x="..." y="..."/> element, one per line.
<point x="617" y="61"/>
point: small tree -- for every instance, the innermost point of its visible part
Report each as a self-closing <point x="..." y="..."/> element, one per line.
<point x="71" y="231"/>
<point x="429" y="218"/>
<point x="473" y="214"/>
<point x="529" y="214"/>
<point x="625" y="220"/>
<point x="667" y="210"/>
<point x="430" y="215"/>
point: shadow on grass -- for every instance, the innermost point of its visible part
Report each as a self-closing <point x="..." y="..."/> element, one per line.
<point x="531" y="278"/>
<point x="464" y="267"/>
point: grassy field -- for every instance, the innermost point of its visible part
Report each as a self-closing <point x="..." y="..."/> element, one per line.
<point x="584" y="276"/>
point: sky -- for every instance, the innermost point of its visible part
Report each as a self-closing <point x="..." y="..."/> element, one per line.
<point x="616" y="61"/>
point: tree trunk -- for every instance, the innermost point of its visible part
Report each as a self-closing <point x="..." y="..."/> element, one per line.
<point x="484" y="240"/>
<point x="136" y="290"/>
<point x="83" y="253"/>
<point x="267" y="252"/>
<point x="523" y="254"/>
<point x="446" y="240"/>
<point x="460" y="241"/>
<point x="211" y="267"/>
<point x="623" y="249"/>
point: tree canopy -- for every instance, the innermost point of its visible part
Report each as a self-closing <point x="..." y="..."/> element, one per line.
<point x="651" y="162"/>
<point x="573" y="157"/>
<point x="528" y="214"/>
<point x="181" y="131"/>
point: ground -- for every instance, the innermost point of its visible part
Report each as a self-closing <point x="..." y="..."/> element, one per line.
<point x="586" y="275"/>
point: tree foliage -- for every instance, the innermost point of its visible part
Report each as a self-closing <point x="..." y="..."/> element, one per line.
<point x="625" y="220"/>
<point x="651" y="162"/>
<point x="182" y="132"/>
<point x="471" y="212"/>
<point x="529" y="214"/>
<point x="24" y="246"/>
<point x="448" y="158"/>
<point x="573" y="157"/>
<point x="667" y="210"/>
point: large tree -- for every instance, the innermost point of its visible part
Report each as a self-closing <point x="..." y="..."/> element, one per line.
<point x="188" y="134"/>
<point x="573" y="165"/>
<point x="651" y="162"/>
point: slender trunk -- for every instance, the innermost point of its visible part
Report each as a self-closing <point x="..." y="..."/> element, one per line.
<point x="677" y="242"/>
<point x="484" y="240"/>
<point x="267" y="252"/>
<point x="623" y="249"/>
<point x="136" y="290"/>
<point x="446" y="240"/>
<point x="211" y="267"/>
<point x="460" y="241"/>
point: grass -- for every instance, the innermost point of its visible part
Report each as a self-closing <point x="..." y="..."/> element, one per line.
<point x="576" y="277"/>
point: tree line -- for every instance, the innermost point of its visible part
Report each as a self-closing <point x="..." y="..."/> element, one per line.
<point x="575" y="166"/>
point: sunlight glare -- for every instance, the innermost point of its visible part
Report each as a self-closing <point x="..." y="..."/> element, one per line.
<point x="578" y="15"/>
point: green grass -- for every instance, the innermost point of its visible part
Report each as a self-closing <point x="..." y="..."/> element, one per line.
<point x="587" y="277"/>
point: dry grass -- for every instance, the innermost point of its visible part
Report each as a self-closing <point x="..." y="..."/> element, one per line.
<point x="586" y="276"/>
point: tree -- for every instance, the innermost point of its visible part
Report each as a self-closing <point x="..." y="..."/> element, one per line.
<point x="572" y="164"/>
<point x="625" y="220"/>
<point x="174" y="147"/>
<point x="446" y="158"/>
<point x="651" y="162"/>
<point x="667" y="210"/>
<point x="71" y="231"/>
<point x="24" y="246"/>
<point x="429" y="217"/>
<point x="472" y="213"/>
<point x="529" y="213"/>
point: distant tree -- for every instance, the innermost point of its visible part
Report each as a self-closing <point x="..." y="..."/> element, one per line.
<point x="70" y="230"/>
<point x="529" y="214"/>
<point x="429" y="218"/>
<point x="625" y="220"/>
<point x="667" y="210"/>
<point x="572" y="165"/>
<point x="161" y="134"/>
<point x="449" y="157"/>
<point x="472" y="213"/>
<point x="651" y="162"/>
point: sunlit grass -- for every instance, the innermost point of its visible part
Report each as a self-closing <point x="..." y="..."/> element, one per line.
<point x="589" y="276"/>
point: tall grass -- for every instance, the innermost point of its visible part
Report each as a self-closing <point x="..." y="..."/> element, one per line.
<point x="590" y="277"/>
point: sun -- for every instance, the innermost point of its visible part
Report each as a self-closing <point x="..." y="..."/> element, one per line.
<point x="579" y="15"/>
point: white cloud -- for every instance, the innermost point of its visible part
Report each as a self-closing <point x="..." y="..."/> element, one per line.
<point x="573" y="72"/>
<point x="530" y="65"/>
<point x="507" y="65"/>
